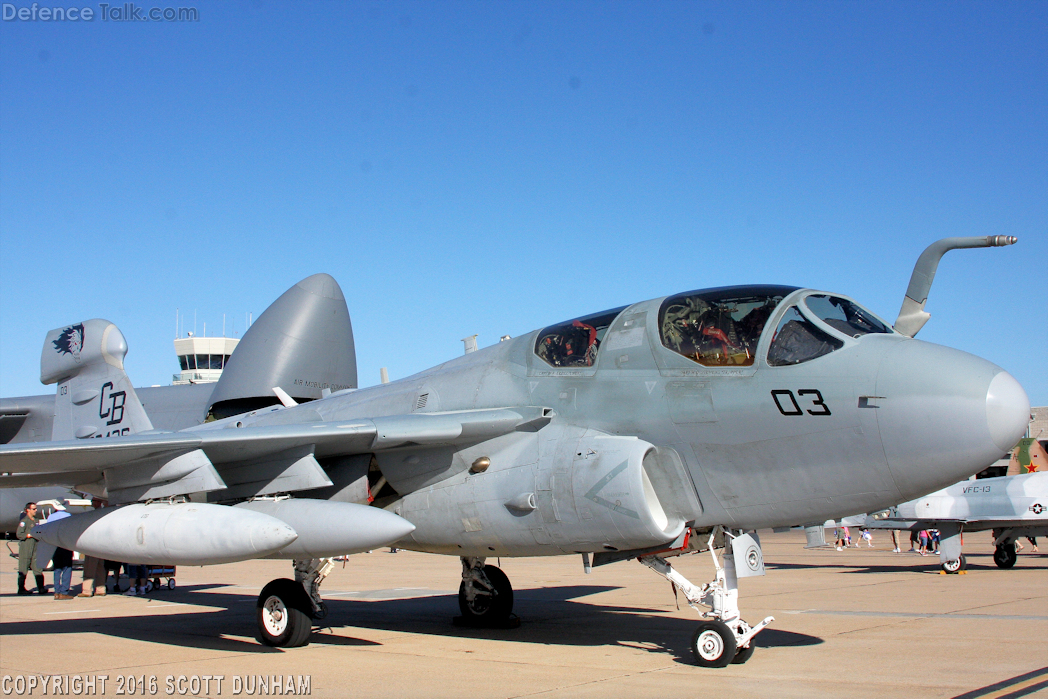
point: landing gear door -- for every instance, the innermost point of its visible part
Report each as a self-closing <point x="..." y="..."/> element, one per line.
<point x="749" y="560"/>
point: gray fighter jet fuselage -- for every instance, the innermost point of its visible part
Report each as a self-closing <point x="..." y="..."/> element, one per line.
<point x="793" y="432"/>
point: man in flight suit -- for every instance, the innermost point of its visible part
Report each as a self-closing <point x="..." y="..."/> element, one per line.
<point x="27" y="551"/>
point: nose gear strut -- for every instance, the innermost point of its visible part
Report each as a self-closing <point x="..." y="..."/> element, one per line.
<point x="723" y="637"/>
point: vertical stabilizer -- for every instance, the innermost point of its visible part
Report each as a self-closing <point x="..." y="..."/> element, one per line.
<point x="94" y="397"/>
<point x="302" y="344"/>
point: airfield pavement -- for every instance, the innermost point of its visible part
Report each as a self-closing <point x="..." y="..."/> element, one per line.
<point x="855" y="623"/>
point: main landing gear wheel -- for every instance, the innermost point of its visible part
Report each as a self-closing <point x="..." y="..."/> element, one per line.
<point x="488" y="607"/>
<point x="955" y="566"/>
<point x="1005" y="556"/>
<point x="714" y="644"/>
<point x="283" y="613"/>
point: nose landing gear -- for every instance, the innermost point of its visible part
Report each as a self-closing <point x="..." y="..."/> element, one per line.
<point x="723" y="637"/>
<point x="954" y="566"/>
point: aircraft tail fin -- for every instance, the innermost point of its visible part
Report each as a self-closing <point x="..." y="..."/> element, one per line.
<point x="302" y="343"/>
<point x="95" y="397"/>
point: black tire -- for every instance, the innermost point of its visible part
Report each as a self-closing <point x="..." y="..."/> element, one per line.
<point x="743" y="654"/>
<point x="283" y="614"/>
<point x="485" y="608"/>
<point x="713" y="644"/>
<point x="955" y="566"/>
<point x="1005" y="555"/>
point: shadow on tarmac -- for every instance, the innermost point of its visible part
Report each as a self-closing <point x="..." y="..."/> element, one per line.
<point x="908" y="563"/>
<point x="549" y="616"/>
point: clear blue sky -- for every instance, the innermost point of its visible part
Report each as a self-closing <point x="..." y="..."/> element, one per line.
<point x="493" y="167"/>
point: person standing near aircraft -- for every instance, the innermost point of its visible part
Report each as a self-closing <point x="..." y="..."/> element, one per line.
<point x="1033" y="542"/>
<point x="136" y="577"/>
<point x="62" y="561"/>
<point x="95" y="573"/>
<point x="27" y="551"/>
<point x="94" y="577"/>
<point x="63" y="572"/>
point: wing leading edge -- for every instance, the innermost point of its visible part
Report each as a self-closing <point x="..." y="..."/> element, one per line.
<point x="139" y="465"/>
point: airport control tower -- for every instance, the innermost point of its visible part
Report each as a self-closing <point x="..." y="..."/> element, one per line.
<point x="202" y="358"/>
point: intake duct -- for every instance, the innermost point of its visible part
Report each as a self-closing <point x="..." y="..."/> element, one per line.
<point x="585" y="491"/>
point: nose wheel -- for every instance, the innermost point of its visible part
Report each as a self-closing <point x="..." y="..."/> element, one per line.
<point x="714" y="645"/>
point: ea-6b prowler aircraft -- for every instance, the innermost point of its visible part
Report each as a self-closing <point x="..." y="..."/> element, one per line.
<point x="668" y="426"/>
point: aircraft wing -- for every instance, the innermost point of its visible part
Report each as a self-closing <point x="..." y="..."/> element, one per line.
<point x="91" y="454"/>
<point x="152" y="458"/>
<point x="969" y="525"/>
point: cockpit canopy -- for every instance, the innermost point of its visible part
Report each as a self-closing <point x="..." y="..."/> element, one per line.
<point x="797" y="339"/>
<point x="574" y="343"/>
<point x="844" y="316"/>
<point x="719" y="327"/>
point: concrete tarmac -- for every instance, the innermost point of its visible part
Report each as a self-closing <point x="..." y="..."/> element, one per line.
<point x="854" y="623"/>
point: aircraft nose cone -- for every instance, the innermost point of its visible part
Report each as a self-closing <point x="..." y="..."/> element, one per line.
<point x="1007" y="410"/>
<point x="945" y="414"/>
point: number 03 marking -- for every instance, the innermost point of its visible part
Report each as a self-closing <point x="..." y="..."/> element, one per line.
<point x="788" y="405"/>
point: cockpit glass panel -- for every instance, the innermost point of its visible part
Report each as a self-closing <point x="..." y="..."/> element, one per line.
<point x="846" y="316"/>
<point x="719" y="327"/>
<point x="575" y="343"/>
<point x="797" y="340"/>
